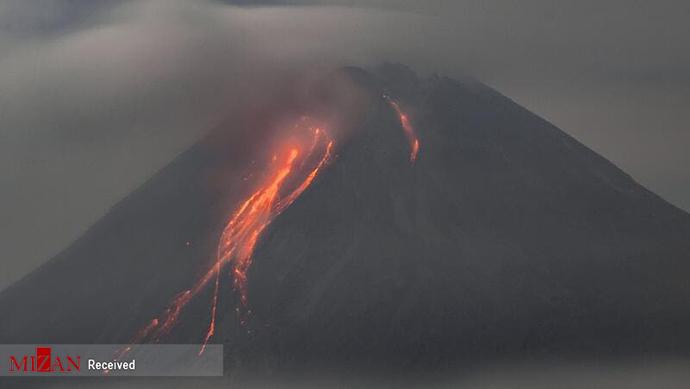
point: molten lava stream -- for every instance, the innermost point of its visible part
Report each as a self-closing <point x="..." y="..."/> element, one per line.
<point x="410" y="133"/>
<point x="295" y="165"/>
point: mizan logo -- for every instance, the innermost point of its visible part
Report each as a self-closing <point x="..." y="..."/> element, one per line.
<point x="44" y="362"/>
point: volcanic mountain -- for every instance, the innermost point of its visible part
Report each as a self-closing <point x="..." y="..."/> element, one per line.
<point x="506" y="238"/>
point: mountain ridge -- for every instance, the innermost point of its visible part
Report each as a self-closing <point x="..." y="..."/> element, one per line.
<point x="506" y="237"/>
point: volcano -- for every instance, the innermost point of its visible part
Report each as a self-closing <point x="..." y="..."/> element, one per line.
<point x="500" y="237"/>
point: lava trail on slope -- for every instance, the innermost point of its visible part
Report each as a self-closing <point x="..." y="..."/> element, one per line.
<point x="295" y="163"/>
<point x="407" y="127"/>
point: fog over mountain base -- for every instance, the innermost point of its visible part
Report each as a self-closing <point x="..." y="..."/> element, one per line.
<point x="600" y="375"/>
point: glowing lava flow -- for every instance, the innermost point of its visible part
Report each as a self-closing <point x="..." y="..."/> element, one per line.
<point x="407" y="127"/>
<point x="295" y="166"/>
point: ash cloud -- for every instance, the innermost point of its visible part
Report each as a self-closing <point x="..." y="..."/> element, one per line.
<point x="91" y="106"/>
<point x="96" y="96"/>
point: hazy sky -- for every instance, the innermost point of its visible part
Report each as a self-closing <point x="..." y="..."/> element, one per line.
<point x="95" y="96"/>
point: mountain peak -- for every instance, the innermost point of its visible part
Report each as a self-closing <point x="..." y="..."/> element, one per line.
<point x="504" y="237"/>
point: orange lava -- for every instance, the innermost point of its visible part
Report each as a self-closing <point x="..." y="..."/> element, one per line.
<point x="407" y="127"/>
<point x="295" y="165"/>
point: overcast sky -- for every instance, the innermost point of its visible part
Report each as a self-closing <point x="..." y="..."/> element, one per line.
<point x="95" y="96"/>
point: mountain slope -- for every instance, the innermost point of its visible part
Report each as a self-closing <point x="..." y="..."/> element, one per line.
<point x="506" y="238"/>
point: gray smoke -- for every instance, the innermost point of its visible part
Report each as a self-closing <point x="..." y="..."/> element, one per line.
<point x="96" y="96"/>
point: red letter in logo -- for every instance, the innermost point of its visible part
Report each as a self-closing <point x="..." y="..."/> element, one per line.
<point x="76" y="365"/>
<point x="43" y="355"/>
<point x="16" y="366"/>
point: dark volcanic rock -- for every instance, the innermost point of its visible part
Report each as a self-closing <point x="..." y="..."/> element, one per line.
<point x="507" y="238"/>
